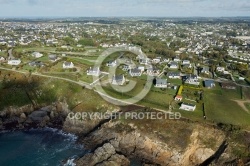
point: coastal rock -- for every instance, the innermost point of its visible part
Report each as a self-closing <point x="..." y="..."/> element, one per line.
<point x="128" y="141"/>
<point x="103" y="156"/>
<point x="38" y="116"/>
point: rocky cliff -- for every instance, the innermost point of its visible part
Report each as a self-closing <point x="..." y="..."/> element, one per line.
<point x="14" y="118"/>
<point x="116" y="141"/>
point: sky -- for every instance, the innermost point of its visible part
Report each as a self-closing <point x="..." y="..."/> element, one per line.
<point x="119" y="8"/>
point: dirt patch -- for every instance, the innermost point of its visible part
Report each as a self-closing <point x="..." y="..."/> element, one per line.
<point x="241" y="103"/>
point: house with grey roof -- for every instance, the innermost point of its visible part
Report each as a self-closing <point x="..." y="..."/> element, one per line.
<point x="118" y="80"/>
<point x="68" y="65"/>
<point x="173" y="65"/>
<point x="174" y="75"/>
<point x="135" y="72"/>
<point x="95" y="71"/>
<point x="209" y="84"/>
<point x="192" y="79"/>
<point x="36" y="64"/>
<point x="53" y="57"/>
<point x="205" y="69"/>
<point x="160" y="83"/>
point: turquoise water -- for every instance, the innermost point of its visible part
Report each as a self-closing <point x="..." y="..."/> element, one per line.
<point x="37" y="148"/>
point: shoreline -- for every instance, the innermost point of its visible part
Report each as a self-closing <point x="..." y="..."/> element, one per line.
<point x="117" y="142"/>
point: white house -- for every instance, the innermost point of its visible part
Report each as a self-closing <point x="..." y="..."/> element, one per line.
<point x="68" y="65"/>
<point x="118" y="80"/>
<point x="14" y="62"/>
<point x="156" y="60"/>
<point x="135" y="72"/>
<point x="37" y="54"/>
<point x="173" y="65"/>
<point x="161" y="83"/>
<point x="177" y="59"/>
<point x="185" y="62"/>
<point x="142" y="68"/>
<point x="187" y="107"/>
<point x="174" y="75"/>
<point x="2" y="59"/>
<point x="112" y="63"/>
<point x="220" y="69"/>
<point x="53" y="57"/>
<point x="192" y="79"/>
<point x="126" y="67"/>
<point x="94" y="71"/>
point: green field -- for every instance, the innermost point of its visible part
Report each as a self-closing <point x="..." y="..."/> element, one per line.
<point x="46" y="91"/>
<point x="82" y="61"/>
<point x="38" y="49"/>
<point x="66" y="75"/>
<point x="219" y="108"/>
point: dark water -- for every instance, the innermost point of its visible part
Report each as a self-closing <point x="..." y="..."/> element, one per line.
<point x="40" y="147"/>
<point x="37" y="148"/>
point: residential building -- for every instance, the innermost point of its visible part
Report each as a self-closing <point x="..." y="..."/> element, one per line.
<point x="37" y="54"/>
<point x="174" y="75"/>
<point x="228" y="85"/>
<point x="220" y="69"/>
<point x="68" y="65"/>
<point x="185" y="62"/>
<point x="187" y="107"/>
<point x="112" y="63"/>
<point x="135" y="72"/>
<point x="205" y="70"/>
<point x="94" y="71"/>
<point x="173" y="65"/>
<point x="118" y="80"/>
<point x="2" y="59"/>
<point x="53" y="57"/>
<point x="178" y="98"/>
<point x="209" y="84"/>
<point x="192" y="79"/>
<point x="160" y="83"/>
<point x="36" y="64"/>
<point x="14" y="62"/>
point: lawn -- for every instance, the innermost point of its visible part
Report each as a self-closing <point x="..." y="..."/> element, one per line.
<point x="85" y="78"/>
<point x="219" y="108"/>
<point x="247" y="106"/>
<point x="196" y="115"/>
<point x="232" y="94"/>
<point x="154" y="99"/>
<point x="91" y="57"/>
<point x="82" y="61"/>
<point x="29" y="68"/>
<point x="228" y="93"/>
<point x="49" y="90"/>
<point x="246" y="93"/>
<point x="175" y="81"/>
<point x="70" y="76"/>
<point x="38" y="49"/>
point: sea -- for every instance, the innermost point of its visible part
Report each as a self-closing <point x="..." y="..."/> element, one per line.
<point x="41" y="147"/>
<point x="38" y="147"/>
